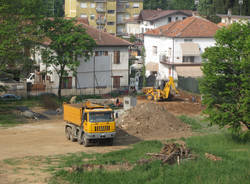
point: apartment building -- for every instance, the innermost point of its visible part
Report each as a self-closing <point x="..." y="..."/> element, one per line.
<point x="107" y="15"/>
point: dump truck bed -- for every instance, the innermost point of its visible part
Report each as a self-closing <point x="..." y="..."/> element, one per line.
<point x="73" y="113"/>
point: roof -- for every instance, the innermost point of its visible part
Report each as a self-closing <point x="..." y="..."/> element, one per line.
<point x="193" y="27"/>
<point x="234" y="16"/>
<point x="103" y="38"/>
<point x="152" y="15"/>
<point x="221" y="24"/>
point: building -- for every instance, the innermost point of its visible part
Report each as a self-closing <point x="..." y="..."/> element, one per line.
<point x="107" y="70"/>
<point x="151" y="19"/>
<point x="107" y="15"/>
<point x="229" y="19"/>
<point x="175" y="49"/>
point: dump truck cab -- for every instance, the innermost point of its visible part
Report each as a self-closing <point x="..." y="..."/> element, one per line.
<point x="88" y="123"/>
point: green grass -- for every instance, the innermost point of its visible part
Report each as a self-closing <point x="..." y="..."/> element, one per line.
<point x="234" y="167"/>
<point x="194" y="123"/>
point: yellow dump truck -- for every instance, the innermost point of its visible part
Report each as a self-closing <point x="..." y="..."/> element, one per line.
<point x="89" y="123"/>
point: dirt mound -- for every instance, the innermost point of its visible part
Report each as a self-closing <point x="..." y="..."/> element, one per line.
<point x="152" y="121"/>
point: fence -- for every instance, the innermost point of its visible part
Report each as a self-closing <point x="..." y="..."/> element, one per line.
<point x="189" y="84"/>
<point x="68" y="92"/>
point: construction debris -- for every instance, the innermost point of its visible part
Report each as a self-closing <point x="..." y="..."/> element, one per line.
<point x="170" y="154"/>
<point x="212" y="157"/>
<point x="152" y="121"/>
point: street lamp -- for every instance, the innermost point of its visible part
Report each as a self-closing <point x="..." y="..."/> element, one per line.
<point x="240" y="3"/>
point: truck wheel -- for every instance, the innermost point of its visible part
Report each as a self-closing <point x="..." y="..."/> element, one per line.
<point x="110" y="142"/>
<point x="85" y="142"/>
<point x="67" y="132"/>
<point x="71" y="136"/>
<point x="79" y="139"/>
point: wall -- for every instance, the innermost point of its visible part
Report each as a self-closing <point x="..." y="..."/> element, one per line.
<point x="164" y="20"/>
<point x="165" y="46"/>
<point x="70" y="8"/>
<point x="133" y="28"/>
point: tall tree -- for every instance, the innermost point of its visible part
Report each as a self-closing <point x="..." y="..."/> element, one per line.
<point x="225" y="85"/>
<point x="68" y="42"/>
<point x="18" y="30"/>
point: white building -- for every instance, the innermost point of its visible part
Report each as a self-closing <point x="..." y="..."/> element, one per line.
<point x="151" y="19"/>
<point x="227" y="19"/>
<point x="175" y="49"/>
<point x="107" y="70"/>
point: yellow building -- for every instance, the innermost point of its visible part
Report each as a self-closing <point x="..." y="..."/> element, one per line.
<point x="109" y="15"/>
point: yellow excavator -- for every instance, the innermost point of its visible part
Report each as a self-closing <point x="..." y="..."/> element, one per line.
<point x="161" y="94"/>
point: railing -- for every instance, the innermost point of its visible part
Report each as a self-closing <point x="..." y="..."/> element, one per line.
<point x="164" y="58"/>
<point x="99" y="9"/>
<point x="100" y="21"/>
<point x="100" y="1"/>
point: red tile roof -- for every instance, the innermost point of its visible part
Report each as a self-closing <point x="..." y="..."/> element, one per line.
<point x="152" y="15"/>
<point x="221" y="24"/>
<point x="195" y="27"/>
<point x="103" y="38"/>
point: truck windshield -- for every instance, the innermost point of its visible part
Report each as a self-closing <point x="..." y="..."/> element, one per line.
<point x="101" y="117"/>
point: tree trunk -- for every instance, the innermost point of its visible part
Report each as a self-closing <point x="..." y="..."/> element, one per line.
<point x="59" y="87"/>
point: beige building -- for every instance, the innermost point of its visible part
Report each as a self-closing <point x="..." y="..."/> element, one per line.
<point x="107" y="15"/>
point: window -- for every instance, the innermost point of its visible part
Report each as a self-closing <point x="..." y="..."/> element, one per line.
<point x="101" y="53"/>
<point x="188" y="40"/>
<point x="169" y="19"/>
<point x="92" y="17"/>
<point x="111" y="11"/>
<point x="100" y="27"/>
<point x="183" y="18"/>
<point x="135" y="15"/>
<point x="142" y="30"/>
<point x="189" y="59"/>
<point x="92" y="5"/>
<point x="176" y="18"/>
<point x="136" y="5"/>
<point x="83" y="5"/>
<point x="116" y="82"/>
<point x="116" y="57"/>
<point x="110" y="23"/>
<point x="83" y="16"/>
<point x="67" y="83"/>
<point x="127" y="5"/>
<point x="154" y="49"/>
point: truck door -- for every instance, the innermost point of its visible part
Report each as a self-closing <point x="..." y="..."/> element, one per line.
<point x="85" y="122"/>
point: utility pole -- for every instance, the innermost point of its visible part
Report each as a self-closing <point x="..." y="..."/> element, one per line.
<point x="240" y="3"/>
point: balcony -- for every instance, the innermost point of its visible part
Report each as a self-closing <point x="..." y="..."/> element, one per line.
<point x="120" y="21"/>
<point x="164" y="59"/>
<point x="100" y="10"/>
<point x="100" y="21"/>
<point x="100" y="1"/>
<point x="121" y="9"/>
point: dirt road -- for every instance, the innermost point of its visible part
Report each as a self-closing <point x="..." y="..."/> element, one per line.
<point x="44" y="138"/>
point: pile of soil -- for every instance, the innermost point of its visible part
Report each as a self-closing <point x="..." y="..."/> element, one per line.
<point x="152" y="121"/>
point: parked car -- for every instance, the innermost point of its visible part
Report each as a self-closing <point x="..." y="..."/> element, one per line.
<point x="9" y="97"/>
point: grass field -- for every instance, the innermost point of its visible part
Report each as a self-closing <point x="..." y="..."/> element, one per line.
<point x="233" y="168"/>
<point x="8" y="115"/>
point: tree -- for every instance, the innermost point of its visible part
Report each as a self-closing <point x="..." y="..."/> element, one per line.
<point x="68" y="42"/>
<point x="18" y="30"/>
<point x="225" y="85"/>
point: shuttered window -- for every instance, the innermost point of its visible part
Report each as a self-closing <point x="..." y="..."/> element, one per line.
<point x="116" y="57"/>
<point x="116" y="82"/>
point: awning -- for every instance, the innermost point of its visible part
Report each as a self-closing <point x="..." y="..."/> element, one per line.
<point x="153" y="67"/>
<point x="189" y="71"/>
<point x="190" y="49"/>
